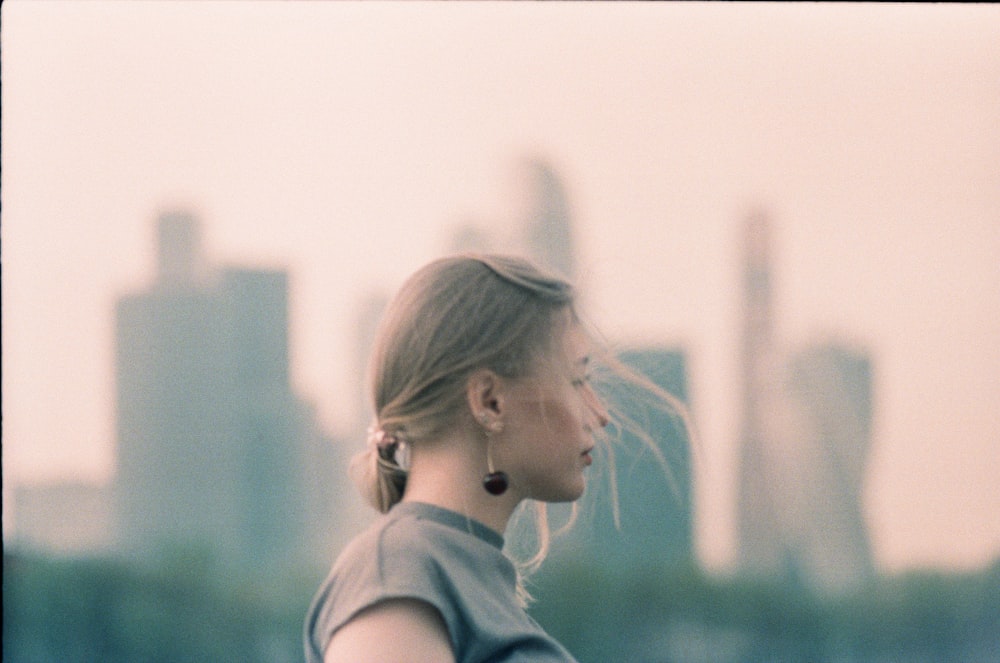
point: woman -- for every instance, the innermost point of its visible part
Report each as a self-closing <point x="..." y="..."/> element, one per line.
<point x="482" y="400"/>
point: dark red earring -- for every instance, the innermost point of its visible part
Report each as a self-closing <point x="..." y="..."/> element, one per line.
<point x="495" y="483"/>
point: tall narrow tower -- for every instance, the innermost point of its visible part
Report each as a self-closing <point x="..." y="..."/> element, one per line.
<point x="758" y="513"/>
<point x="548" y="234"/>
<point x="805" y="434"/>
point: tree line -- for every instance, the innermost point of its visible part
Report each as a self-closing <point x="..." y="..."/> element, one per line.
<point x="186" y="609"/>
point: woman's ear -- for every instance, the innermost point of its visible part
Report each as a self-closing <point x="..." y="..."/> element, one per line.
<point x="484" y="394"/>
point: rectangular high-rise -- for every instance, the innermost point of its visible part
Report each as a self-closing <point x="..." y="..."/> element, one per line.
<point x="210" y="435"/>
<point x="638" y="509"/>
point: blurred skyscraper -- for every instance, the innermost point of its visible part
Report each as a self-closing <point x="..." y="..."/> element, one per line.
<point x="805" y="436"/>
<point x="65" y="517"/>
<point x="353" y="512"/>
<point x="540" y="217"/>
<point x="468" y="237"/>
<point x="637" y="512"/>
<point x="548" y="235"/>
<point x="829" y="390"/>
<point x="758" y="518"/>
<point x="215" y="451"/>
<point x="369" y="316"/>
<point x="654" y="489"/>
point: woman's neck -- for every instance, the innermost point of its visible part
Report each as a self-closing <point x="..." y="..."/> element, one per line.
<point x="448" y="472"/>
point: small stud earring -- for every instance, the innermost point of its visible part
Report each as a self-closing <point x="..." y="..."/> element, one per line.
<point x="490" y="424"/>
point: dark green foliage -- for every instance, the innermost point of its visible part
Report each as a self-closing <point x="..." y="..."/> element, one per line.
<point x="685" y="616"/>
<point x="103" y="610"/>
<point x="186" y="610"/>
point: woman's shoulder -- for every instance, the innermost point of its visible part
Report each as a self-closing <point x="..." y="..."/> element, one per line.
<point x="413" y="551"/>
<point x="443" y="560"/>
<point x="399" y="538"/>
<point x="394" y="558"/>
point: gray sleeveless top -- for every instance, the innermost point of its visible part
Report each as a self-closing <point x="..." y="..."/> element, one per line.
<point x="420" y="551"/>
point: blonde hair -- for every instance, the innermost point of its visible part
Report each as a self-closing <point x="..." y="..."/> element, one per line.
<point x="452" y="317"/>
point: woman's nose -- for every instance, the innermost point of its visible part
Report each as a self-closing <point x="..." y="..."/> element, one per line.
<point x="597" y="408"/>
<point x="602" y="415"/>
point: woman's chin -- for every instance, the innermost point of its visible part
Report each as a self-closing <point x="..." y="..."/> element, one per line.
<point x="569" y="493"/>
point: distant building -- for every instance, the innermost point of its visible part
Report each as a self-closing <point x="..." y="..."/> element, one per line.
<point x="214" y="450"/>
<point x="369" y="315"/>
<point x="805" y="437"/>
<point x="637" y="509"/>
<point x="761" y="541"/>
<point x="325" y="494"/>
<point x="829" y="389"/>
<point x="637" y="512"/>
<point x="547" y="229"/>
<point x="469" y="238"/>
<point x="355" y="512"/>
<point x="65" y="518"/>
<point x="541" y="219"/>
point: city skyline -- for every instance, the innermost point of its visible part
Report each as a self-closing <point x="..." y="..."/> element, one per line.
<point x="214" y="449"/>
<point x="666" y="124"/>
<point x="805" y="440"/>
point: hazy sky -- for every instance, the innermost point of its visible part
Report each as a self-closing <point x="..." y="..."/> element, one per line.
<point x="346" y="142"/>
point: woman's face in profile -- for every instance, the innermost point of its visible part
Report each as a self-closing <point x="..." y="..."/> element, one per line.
<point x="552" y="416"/>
